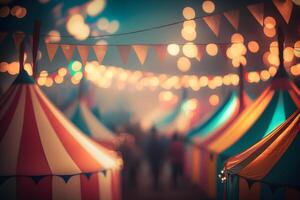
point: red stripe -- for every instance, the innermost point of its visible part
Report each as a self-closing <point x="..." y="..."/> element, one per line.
<point x="28" y="189"/>
<point x="79" y="155"/>
<point x="32" y="160"/>
<point x="90" y="187"/>
<point x="7" y="117"/>
<point x="7" y="94"/>
<point x="116" y="187"/>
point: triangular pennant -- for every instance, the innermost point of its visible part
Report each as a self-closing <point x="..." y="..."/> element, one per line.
<point x="124" y="51"/>
<point x="18" y="37"/>
<point x="51" y="49"/>
<point x="257" y="10"/>
<point x="213" y="22"/>
<point x="250" y="183"/>
<point x="4" y="178"/>
<point x="83" y="51"/>
<point x="37" y="179"/>
<point x="100" y="51"/>
<point x="88" y="175"/>
<point x="141" y="52"/>
<point x="66" y="178"/>
<point x="200" y="54"/>
<point x="2" y="36"/>
<point x="161" y="51"/>
<point x="68" y="51"/>
<point x="285" y="8"/>
<point x="233" y="17"/>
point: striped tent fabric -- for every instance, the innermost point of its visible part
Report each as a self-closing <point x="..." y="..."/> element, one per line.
<point x="270" y="167"/>
<point x="44" y="156"/>
<point x="270" y="109"/>
<point x="220" y="118"/>
<point x="87" y="122"/>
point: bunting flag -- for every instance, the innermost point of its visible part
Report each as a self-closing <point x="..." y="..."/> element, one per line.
<point x="201" y="49"/>
<point x="213" y="23"/>
<point x="83" y="51"/>
<point x="285" y="8"/>
<point x="2" y="36"/>
<point x="68" y="51"/>
<point x="233" y="17"/>
<point x="18" y="37"/>
<point x="100" y="51"/>
<point x="161" y="51"/>
<point x="51" y="49"/>
<point x="257" y="10"/>
<point x="124" y="51"/>
<point x="141" y="52"/>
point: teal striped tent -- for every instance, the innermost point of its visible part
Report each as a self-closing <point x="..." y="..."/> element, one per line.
<point x="270" y="168"/>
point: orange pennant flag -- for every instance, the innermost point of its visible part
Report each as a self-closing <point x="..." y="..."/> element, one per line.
<point x="2" y="36"/>
<point x="257" y="10"/>
<point x="18" y="38"/>
<point x="233" y="17"/>
<point x="141" y="52"/>
<point x="68" y="51"/>
<point x="124" y="51"/>
<point x="100" y="51"/>
<point x="83" y="51"/>
<point x="213" y="23"/>
<point x="161" y="51"/>
<point x="51" y="49"/>
<point x="285" y="8"/>
<point x="201" y="48"/>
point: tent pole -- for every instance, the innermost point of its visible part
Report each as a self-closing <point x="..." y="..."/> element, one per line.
<point x="241" y="87"/>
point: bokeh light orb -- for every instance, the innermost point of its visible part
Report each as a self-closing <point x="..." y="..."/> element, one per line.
<point x="4" y="11"/>
<point x="269" y="22"/>
<point x="190" y="50"/>
<point x="253" y="46"/>
<point x="188" y="33"/>
<point x="188" y="13"/>
<point x="269" y="32"/>
<point x="273" y="59"/>
<point x="214" y="100"/>
<point x="288" y="54"/>
<point x="113" y="26"/>
<point x="103" y="24"/>
<point x="297" y="49"/>
<point x="211" y="49"/>
<point x="208" y="6"/>
<point x="274" y="48"/>
<point x="190" y="24"/>
<point x="295" y="70"/>
<point x="53" y="36"/>
<point x="95" y="7"/>
<point x="296" y="2"/>
<point x="237" y="38"/>
<point x="173" y="49"/>
<point x="183" y="64"/>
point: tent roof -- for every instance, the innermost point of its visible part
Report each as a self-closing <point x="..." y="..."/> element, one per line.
<point x="274" y="159"/>
<point x="36" y="139"/>
<point x="270" y="109"/>
<point x="89" y="124"/>
<point x="222" y="115"/>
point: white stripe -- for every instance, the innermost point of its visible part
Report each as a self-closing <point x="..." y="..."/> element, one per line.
<point x="9" y="146"/>
<point x="97" y="129"/>
<point x="59" y="165"/>
<point x="8" y="189"/>
<point x="96" y="151"/>
<point x="105" y="185"/>
<point x="8" y="101"/>
<point x="66" y="191"/>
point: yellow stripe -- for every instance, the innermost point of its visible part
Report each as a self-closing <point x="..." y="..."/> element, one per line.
<point x="105" y="185"/>
<point x="242" y="124"/>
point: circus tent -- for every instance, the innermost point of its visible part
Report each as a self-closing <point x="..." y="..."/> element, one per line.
<point x="81" y="115"/>
<point x="270" y="109"/>
<point x="269" y="167"/>
<point x="223" y="115"/>
<point x="44" y="156"/>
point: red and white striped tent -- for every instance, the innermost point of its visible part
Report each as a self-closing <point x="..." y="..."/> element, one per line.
<point x="44" y="156"/>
